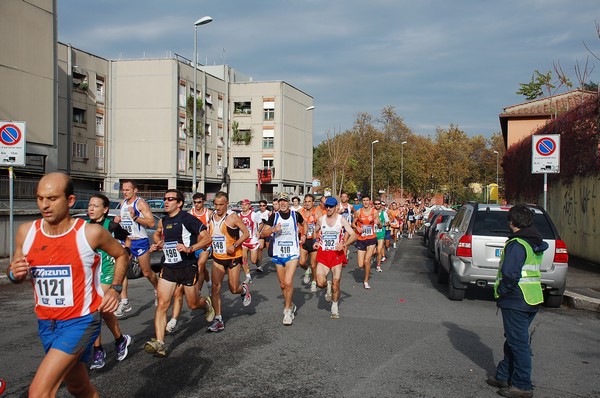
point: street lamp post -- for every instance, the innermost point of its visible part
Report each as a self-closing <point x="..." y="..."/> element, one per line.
<point x="402" y="170"/>
<point x="201" y="21"/>
<point x="497" y="185"/>
<point x="372" y="163"/>
<point x="310" y="108"/>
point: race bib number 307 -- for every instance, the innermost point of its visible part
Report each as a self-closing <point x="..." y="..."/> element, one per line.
<point x="53" y="285"/>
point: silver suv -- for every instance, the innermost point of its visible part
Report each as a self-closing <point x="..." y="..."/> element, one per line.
<point x="470" y="251"/>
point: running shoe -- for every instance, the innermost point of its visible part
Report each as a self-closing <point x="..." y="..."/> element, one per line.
<point x="120" y="311"/>
<point x="394" y="245"/>
<point x="259" y="268"/>
<point x="328" y="292"/>
<point x="335" y="312"/>
<point x="366" y="285"/>
<point x="122" y="348"/>
<point x="209" y="313"/>
<point x="171" y="325"/>
<point x="313" y="286"/>
<point x="383" y="259"/>
<point x="99" y="359"/>
<point x="216" y="326"/>
<point x="155" y="347"/>
<point x="2" y="386"/>
<point x="247" y="297"/>
<point x="248" y="280"/>
<point x="293" y="311"/>
<point x="287" y="317"/>
<point x="126" y="306"/>
<point x="379" y="269"/>
<point x="306" y="278"/>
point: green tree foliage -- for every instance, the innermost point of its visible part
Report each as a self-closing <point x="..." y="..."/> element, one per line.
<point x="535" y="88"/>
<point x="446" y="164"/>
<point x="189" y="112"/>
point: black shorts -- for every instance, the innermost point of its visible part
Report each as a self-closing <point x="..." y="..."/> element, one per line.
<point x="228" y="264"/>
<point x="363" y="244"/>
<point x="308" y="245"/>
<point x="186" y="276"/>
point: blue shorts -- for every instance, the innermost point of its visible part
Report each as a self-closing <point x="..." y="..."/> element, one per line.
<point x="139" y="247"/>
<point x="70" y="336"/>
<point x="197" y="253"/>
<point x="388" y="234"/>
<point x="284" y="260"/>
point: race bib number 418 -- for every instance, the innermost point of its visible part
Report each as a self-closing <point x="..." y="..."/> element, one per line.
<point x="53" y="285"/>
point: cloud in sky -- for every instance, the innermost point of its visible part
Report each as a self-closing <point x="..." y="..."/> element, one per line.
<point x="437" y="62"/>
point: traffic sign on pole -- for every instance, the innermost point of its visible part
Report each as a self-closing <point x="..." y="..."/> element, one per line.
<point x="545" y="154"/>
<point x="12" y="143"/>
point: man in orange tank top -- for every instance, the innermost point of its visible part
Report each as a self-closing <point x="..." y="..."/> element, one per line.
<point x="58" y="252"/>
<point x="364" y="224"/>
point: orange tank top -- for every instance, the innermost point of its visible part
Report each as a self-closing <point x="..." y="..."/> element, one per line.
<point x="310" y="217"/>
<point x="64" y="272"/>
<point x="366" y="225"/>
<point x="223" y="236"/>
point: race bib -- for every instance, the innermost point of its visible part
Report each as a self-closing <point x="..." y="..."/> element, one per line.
<point x="172" y="255"/>
<point x="127" y="225"/>
<point x="311" y="229"/>
<point x="284" y="248"/>
<point x="53" y="285"/>
<point x="329" y="241"/>
<point x="377" y="229"/>
<point x="218" y="244"/>
<point x="367" y="230"/>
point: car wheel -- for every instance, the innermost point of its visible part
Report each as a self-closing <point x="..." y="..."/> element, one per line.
<point x="454" y="294"/>
<point x="134" y="271"/>
<point x="442" y="276"/>
<point x="553" y="301"/>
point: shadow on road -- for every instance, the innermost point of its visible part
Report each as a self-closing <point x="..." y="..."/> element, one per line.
<point x="470" y="345"/>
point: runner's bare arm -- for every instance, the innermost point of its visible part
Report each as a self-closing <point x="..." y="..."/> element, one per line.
<point x="148" y="219"/>
<point x="19" y="267"/>
<point x="350" y="235"/>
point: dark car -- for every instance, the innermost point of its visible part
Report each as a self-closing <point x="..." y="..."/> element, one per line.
<point x="436" y="225"/>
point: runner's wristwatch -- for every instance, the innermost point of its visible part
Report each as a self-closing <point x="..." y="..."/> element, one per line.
<point x="117" y="288"/>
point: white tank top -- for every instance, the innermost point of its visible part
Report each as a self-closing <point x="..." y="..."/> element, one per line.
<point x="330" y="236"/>
<point x="136" y="231"/>
<point x="286" y="242"/>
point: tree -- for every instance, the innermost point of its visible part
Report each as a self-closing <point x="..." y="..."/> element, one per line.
<point x="534" y="89"/>
<point x="189" y="112"/>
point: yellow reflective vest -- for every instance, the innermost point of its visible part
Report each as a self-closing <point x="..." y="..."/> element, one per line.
<point x="530" y="282"/>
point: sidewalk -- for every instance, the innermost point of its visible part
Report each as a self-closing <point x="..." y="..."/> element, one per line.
<point x="582" y="292"/>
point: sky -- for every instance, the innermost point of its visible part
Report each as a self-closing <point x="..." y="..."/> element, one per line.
<point x="437" y="62"/>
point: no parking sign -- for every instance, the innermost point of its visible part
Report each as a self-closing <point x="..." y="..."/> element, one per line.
<point x="545" y="156"/>
<point x="12" y="143"/>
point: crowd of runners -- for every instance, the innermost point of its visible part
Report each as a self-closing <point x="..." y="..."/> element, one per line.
<point x="90" y="284"/>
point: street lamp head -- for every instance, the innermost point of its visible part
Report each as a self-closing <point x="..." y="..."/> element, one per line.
<point x="496" y="152"/>
<point x="203" y="21"/>
<point x="310" y="108"/>
<point x="374" y="142"/>
<point x="403" y="142"/>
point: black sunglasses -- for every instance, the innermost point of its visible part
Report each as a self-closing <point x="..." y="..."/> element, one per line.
<point x="170" y="199"/>
<point x="198" y="201"/>
<point x="376" y="204"/>
<point x="329" y="206"/>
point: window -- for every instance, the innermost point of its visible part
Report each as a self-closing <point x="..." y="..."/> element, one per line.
<point x="191" y="159"/>
<point x="268" y="138"/>
<point x="269" y="110"/>
<point x="182" y="96"/>
<point x="80" y="150"/>
<point x="79" y="116"/>
<point x="181" y="160"/>
<point x="100" y="125"/>
<point x="242" y="108"/>
<point x="208" y="98"/>
<point x="181" y="130"/>
<point x="267" y="163"/>
<point x="99" y="157"/>
<point x="207" y="129"/>
<point x="207" y="160"/>
<point x="220" y="108"/>
<point x="99" y="89"/>
<point x="241" y="163"/>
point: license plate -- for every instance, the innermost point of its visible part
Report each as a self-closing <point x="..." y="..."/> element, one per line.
<point x="498" y="252"/>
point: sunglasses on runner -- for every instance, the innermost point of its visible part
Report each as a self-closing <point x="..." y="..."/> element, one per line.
<point x="329" y="206"/>
<point x="170" y="199"/>
<point x="377" y="204"/>
<point x="198" y="201"/>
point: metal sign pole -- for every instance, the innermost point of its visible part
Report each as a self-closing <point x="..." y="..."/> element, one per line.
<point x="10" y="217"/>
<point x="545" y="189"/>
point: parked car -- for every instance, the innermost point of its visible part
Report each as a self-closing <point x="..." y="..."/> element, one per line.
<point x="470" y="251"/>
<point x="134" y="271"/>
<point x="428" y="216"/>
<point x="435" y="226"/>
<point x="443" y="228"/>
<point x="156" y="204"/>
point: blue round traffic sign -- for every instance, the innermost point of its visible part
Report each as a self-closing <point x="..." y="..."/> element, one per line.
<point x="546" y="146"/>
<point x="10" y="134"/>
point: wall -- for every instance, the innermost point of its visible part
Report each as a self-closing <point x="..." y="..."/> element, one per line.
<point x="574" y="209"/>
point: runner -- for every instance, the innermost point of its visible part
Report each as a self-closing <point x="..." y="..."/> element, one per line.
<point x="410" y="220"/>
<point x="252" y="221"/>
<point x="394" y="216"/>
<point x="97" y="211"/>
<point x="135" y="217"/>
<point x="203" y="214"/>
<point x="284" y="225"/>
<point x="296" y="204"/>
<point x="380" y="232"/>
<point x="264" y="215"/>
<point x="228" y="232"/>
<point x="308" y="253"/>
<point x="364" y="224"/>
<point x="357" y="205"/>
<point x="335" y="234"/>
<point x="179" y="235"/>
<point x="58" y="252"/>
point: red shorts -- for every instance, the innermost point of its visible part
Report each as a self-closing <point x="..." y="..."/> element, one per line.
<point x="251" y="245"/>
<point x="331" y="258"/>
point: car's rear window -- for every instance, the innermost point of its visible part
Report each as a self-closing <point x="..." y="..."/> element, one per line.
<point x="495" y="223"/>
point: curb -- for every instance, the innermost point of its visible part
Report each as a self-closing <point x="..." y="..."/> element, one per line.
<point x="581" y="302"/>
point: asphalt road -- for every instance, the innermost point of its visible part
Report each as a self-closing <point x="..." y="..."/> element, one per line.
<point x="402" y="338"/>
